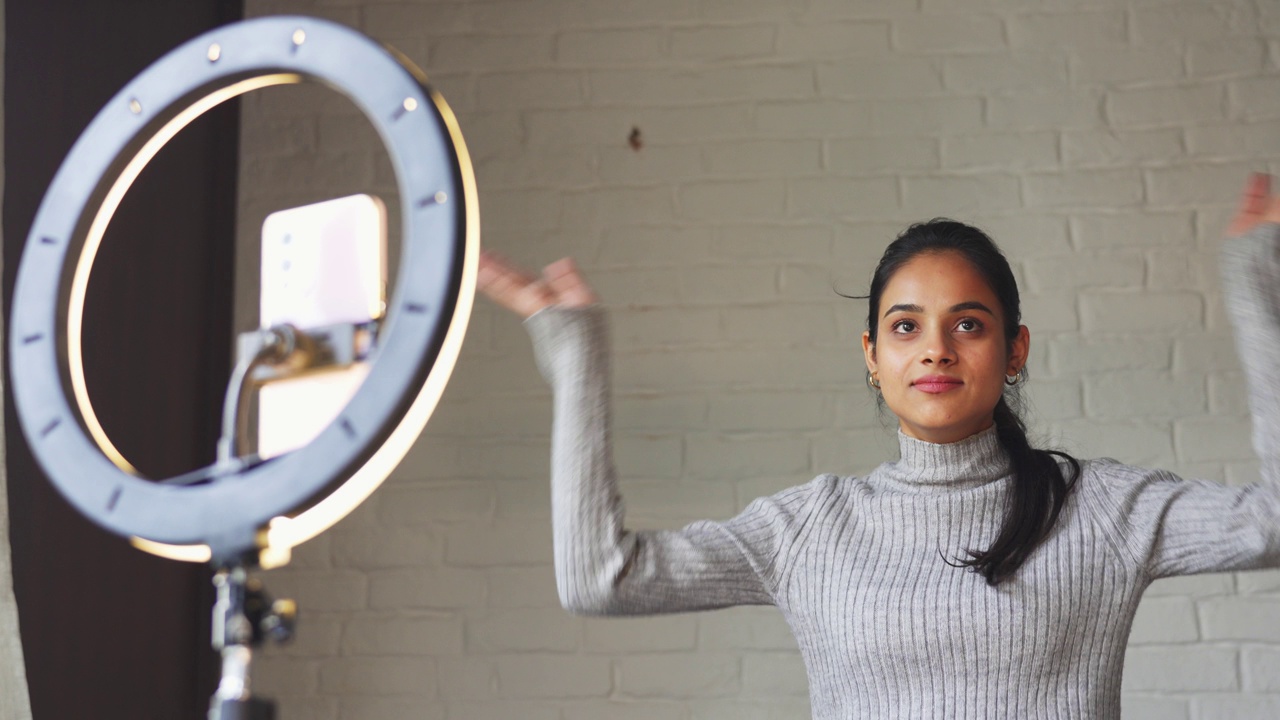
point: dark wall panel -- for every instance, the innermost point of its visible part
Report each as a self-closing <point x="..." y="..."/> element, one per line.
<point x="110" y="632"/>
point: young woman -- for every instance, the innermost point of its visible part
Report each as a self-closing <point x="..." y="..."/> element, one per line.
<point x="973" y="577"/>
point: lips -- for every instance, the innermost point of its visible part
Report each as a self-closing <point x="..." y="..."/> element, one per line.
<point x="936" y="383"/>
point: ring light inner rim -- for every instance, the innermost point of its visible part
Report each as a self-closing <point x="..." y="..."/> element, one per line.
<point x="93" y="241"/>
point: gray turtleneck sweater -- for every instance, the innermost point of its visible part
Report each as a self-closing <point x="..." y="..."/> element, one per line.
<point x="886" y="627"/>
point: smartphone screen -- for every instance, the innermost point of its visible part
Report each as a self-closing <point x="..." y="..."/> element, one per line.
<point x="322" y="264"/>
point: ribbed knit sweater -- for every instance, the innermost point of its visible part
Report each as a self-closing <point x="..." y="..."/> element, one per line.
<point x="887" y="628"/>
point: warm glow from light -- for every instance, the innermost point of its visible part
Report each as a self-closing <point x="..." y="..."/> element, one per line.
<point x="185" y="553"/>
<point x="80" y="278"/>
<point x="289" y="532"/>
<point x="284" y="533"/>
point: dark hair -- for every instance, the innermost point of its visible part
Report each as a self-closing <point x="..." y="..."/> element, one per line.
<point x="1040" y="488"/>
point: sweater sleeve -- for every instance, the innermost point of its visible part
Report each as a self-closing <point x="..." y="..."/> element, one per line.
<point x="1172" y="526"/>
<point x="602" y="568"/>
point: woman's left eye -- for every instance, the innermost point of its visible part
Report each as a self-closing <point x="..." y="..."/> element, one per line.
<point x="968" y="325"/>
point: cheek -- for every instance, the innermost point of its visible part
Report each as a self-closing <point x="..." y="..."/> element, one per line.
<point x="993" y="365"/>
<point x="999" y="359"/>
<point x="893" y="366"/>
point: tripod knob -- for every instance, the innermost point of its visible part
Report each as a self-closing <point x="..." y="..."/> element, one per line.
<point x="278" y="623"/>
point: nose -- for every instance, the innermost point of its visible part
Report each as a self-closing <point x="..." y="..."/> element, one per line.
<point x="938" y="350"/>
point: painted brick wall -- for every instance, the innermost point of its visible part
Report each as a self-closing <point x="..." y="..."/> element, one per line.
<point x="784" y="143"/>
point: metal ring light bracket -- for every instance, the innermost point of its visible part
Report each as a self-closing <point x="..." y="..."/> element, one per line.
<point x="276" y="505"/>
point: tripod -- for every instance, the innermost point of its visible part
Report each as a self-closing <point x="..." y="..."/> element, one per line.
<point x="243" y="617"/>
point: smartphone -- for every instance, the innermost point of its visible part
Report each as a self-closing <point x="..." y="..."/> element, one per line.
<point x="322" y="264"/>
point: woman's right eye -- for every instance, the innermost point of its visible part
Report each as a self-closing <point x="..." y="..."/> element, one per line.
<point x="904" y="326"/>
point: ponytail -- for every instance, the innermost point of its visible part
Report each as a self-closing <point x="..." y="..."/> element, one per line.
<point x="1039" y="491"/>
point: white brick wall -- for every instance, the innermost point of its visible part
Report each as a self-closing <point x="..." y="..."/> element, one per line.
<point x="785" y="142"/>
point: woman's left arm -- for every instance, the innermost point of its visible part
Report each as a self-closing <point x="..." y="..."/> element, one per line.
<point x="1251" y="287"/>
<point x="1173" y="526"/>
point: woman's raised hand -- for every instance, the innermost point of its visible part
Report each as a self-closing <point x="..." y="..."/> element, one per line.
<point x="525" y="293"/>
<point x="1257" y="206"/>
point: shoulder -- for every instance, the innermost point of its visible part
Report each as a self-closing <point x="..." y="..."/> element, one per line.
<point x="799" y="503"/>
<point x="1110" y="475"/>
<point x="1115" y="490"/>
<point x="822" y="486"/>
<point x="782" y="523"/>
<point x="1112" y="497"/>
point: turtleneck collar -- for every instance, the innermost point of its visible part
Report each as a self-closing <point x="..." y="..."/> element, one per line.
<point x="926" y="467"/>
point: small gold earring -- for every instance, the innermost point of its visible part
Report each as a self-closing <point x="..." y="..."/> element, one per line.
<point x="873" y="382"/>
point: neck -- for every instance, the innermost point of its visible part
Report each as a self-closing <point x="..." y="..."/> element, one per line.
<point x="947" y="436"/>
<point x="924" y="466"/>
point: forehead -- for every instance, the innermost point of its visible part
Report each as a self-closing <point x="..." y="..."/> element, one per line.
<point x="937" y="281"/>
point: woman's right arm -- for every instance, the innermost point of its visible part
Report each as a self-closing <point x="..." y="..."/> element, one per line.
<point x="601" y="567"/>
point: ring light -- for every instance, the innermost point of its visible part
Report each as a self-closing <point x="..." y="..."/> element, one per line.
<point x="271" y="507"/>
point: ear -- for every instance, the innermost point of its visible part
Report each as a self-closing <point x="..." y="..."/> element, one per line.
<point x="1019" y="349"/>
<point x="869" y="351"/>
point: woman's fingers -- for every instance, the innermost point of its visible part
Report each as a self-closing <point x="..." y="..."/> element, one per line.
<point x="1256" y="205"/>
<point x="526" y="294"/>
<point x="1273" y="212"/>
<point x="511" y="287"/>
<point x="567" y="285"/>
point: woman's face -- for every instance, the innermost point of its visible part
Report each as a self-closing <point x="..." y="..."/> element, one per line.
<point x="940" y="353"/>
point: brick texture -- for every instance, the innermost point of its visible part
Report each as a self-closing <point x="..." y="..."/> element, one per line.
<point x="783" y="144"/>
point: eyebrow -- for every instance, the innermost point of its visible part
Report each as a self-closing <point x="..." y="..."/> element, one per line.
<point x="959" y="307"/>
